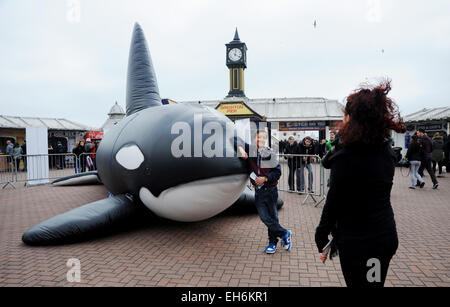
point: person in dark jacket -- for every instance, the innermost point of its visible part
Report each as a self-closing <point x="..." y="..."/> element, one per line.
<point x="413" y="156"/>
<point x="426" y="148"/>
<point x="447" y="154"/>
<point x="24" y="152"/>
<point x="266" y="172"/>
<point x="358" y="211"/>
<point x="322" y="148"/>
<point x="80" y="159"/>
<point x="437" y="155"/>
<point x="306" y="147"/>
<point x="290" y="150"/>
<point x="59" y="157"/>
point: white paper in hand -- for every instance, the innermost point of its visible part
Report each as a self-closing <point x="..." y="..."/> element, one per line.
<point x="253" y="177"/>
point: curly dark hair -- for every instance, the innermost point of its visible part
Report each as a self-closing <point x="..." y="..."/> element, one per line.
<point x="372" y="116"/>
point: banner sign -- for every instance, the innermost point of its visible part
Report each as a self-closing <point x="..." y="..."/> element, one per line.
<point x="94" y="135"/>
<point x="308" y="125"/>
<point x="234" y="109"/>
<point x="430" y="127"/>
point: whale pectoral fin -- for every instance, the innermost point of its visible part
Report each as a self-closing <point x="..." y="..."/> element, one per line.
<point x="85" y="222"/>
<point x="246" y="202"/>
<point x="78" y="179"/>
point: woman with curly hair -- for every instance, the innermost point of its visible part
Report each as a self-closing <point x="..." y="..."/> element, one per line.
<point x="358" y="210"/>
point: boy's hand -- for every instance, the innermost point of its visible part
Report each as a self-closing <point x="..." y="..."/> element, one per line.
<point x="241" y="153"/>
<point x="260" y="180"/>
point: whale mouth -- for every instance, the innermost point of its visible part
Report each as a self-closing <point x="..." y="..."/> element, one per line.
<point x="197" y="200"/>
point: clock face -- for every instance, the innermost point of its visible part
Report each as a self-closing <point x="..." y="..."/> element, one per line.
<point x="235" y="54"/>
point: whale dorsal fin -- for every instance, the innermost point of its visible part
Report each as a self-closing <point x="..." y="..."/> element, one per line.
<point x="142" y="87"/>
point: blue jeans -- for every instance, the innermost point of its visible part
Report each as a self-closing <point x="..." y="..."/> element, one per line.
<point x="77" y="166"/>
<point x="266" y="204"/>
<point x="301" y="177"/>
<point x="414" y="172"/>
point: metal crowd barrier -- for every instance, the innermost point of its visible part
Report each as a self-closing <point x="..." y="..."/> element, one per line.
<point x="304" y="175"/>
<point x="33" y="168"/>
<point x="6" y="171"/>
<point x="87" y="161"/>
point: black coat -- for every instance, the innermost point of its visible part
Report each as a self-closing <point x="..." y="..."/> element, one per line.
<point x="78" y="150"/>
<point x="59" y="149"/>
<point x="426" y="146"/>
<point x="292" y="150"/>
<point x="413" y="153"/>
<point x="447" y="149"/>
<point x="358" y="210"/>
<point x="307" y="150"/>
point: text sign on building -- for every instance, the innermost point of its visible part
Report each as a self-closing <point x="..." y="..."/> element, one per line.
<point x="308" y="125"/>
<point x="430" y="127"/>
<point x="234" y="109"/>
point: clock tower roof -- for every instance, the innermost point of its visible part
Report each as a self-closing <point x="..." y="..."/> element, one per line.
<point x="236" y="39"/>
<point x="236" y="36"/>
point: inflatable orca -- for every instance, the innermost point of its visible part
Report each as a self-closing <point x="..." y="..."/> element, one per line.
<point x="137" y="164"/>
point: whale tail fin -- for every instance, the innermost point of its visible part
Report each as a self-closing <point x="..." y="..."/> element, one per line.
<point x="142" y="87"/>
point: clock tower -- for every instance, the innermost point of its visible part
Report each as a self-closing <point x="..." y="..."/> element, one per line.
<point x="236" y="61"/>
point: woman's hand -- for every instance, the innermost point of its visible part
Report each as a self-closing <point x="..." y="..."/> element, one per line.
<point x="323" y="257"/>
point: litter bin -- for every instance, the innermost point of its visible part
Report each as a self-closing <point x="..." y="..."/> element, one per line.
<point x="398" y="153"/>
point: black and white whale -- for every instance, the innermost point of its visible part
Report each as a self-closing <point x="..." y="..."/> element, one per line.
<point x="155" y="158"/>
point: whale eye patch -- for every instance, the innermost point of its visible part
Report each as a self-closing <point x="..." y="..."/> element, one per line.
<point x="130" y="157"/>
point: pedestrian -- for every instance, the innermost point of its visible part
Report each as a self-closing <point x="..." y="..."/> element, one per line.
<point x="80" y="159"/>
<point x="331" y="140"/>
<point x="290" y="151"/>
<point x="322" y="148"/>
<point x="94" y="154"/>
<point x="281" y="146"/>
<point x="437" y="155"/>
<point x="265" y="173"/>
<point x="426" y="148"/>
<point x="24" y="152"/>
<point x="17" y="155"/>
<point x="358" y="212"/>
<point x="306" y="148"/>
<point x="88" y="148"/>
<point x="316" y="145"/>
<point x="59" y="157"/>
<point x="413" y="156"/>
<point x="447" y="154"/>
<point x="9" y="148"/>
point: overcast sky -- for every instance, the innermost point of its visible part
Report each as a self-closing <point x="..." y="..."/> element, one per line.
<point x="68" y="59"/>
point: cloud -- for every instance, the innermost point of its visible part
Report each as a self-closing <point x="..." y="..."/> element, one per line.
<point x="374" y="13"/>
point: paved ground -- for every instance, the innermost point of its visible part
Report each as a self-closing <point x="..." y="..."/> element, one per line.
<point x="223" y="251"/>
